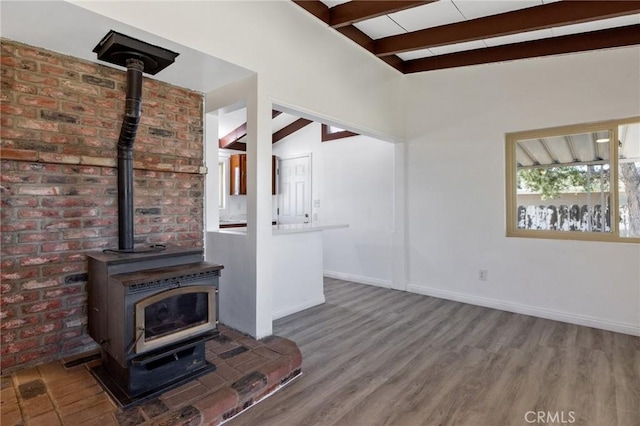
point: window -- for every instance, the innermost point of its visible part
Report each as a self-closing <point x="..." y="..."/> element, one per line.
<point x="330" y="133"/>
<point x="576" y="182"/>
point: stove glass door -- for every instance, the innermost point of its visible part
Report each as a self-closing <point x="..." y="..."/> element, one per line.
<point x="174" y="315"/>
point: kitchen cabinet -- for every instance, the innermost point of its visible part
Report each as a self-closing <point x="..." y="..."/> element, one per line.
<point x="238" y="174"/>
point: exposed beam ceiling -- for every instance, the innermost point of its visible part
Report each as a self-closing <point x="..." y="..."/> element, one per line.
<point x="365" y="41"/>
<point x="452" y="32"/>
<point x="349" y="13"/>
<point x="232" y="139"/>
<point x="316" y="8"/>
<point x="616" y="37"/>
<point x="322" y="12"/>
<point x="530" y="19"/>
<point x="291" y="128"/>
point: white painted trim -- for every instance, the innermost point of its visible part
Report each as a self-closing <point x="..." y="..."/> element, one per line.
<point x="357" y="279"/>
<point x="301" y="307"/>
<point x="301" y="112"/>
<point x="587" y="321"/>
<point x="301" y="155"/>
<point x="399" y="253"/>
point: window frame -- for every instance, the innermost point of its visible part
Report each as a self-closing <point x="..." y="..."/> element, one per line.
<point x="511" y="182"/>
<point x="328" y="134"/>
<point x="222" y="183"/>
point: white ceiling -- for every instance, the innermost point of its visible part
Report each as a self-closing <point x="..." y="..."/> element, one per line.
<point x="445" y="12"/>
<point x="229" y="121"/>
<point x="68" y="29"/>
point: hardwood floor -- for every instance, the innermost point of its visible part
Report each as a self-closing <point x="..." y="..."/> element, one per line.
<point x="373" y="356"/>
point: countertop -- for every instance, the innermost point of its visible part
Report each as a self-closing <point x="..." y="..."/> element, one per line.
<point x="235" y="224"/>
<point x="289" y="228"/>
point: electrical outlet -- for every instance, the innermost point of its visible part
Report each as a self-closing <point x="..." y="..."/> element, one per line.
<point x="483" y="274"/>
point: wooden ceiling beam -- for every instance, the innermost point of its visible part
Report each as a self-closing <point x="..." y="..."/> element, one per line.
<point x="366" y="42"/>
<point x="530" y="19"/>
<point x="358" y="36"/>
<point x="321" y="11"/>
<point x="603" y="39"/>
<point x="291" y="128"/>
<point x="230" y="140"/>
<point x="355" y="11"/>
<point x="237" y="146"/>
<point x="233" y="136"/>
<point x="395" y="61"/>
<point x="316" y="8"/>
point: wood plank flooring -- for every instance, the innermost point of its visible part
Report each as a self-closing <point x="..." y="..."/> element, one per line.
<point x="374" y="356"/>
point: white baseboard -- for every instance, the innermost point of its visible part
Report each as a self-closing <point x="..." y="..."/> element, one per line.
<point x="357" y="279"/>
<point x="631" y="329"/>
<point x="295" y="309"/>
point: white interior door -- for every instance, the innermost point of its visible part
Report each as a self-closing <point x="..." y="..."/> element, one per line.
<point x="294" y="205"/>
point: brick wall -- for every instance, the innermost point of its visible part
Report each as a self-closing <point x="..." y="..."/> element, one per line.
<point x="61" y="119"/>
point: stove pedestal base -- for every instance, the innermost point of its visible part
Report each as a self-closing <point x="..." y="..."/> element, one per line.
<point x="152" y="374"/>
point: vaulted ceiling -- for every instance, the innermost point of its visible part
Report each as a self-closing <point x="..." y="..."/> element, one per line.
<point x="416" y="36"/>
<point x="282" y="126"/>
<point x="233" y="129"/>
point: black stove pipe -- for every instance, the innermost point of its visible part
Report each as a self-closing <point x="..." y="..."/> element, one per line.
<point x="133" y="111"/>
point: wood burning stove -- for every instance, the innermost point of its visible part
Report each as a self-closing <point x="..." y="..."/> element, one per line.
<point x="150" y="309"/>
<point x="151" y="314"/>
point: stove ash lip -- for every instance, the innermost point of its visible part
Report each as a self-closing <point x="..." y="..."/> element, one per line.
<point x="138" y="57"/>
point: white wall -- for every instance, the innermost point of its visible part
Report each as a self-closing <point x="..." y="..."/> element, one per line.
<point x="297" y="272"/>
<point x="211" y="156"/>
<point x="301" y="62"/>
<point x="245" y="290"/>
<point x="353" y="180"/>
<point x="456" y="122"/>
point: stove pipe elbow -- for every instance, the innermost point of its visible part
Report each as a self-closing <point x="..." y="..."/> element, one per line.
<point x="133" y="104"/>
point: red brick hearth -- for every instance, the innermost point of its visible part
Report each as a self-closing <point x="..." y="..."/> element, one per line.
<point x="66" y="393"/>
